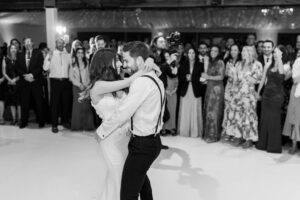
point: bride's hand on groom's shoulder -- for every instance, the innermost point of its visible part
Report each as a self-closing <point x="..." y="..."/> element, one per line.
<point x="136" y="75"/>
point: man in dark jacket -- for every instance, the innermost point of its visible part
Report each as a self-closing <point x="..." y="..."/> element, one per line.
<point x="30" y="70"/>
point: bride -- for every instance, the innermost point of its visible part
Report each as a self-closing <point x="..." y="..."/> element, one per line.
<point x="106" y="91"/>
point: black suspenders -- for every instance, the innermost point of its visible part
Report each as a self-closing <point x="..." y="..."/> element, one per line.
<point x="162" y="99"/>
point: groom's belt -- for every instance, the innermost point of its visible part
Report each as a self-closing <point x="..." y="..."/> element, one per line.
<point x="147" y="136"/>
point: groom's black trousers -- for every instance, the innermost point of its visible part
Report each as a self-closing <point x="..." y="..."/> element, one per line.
<point x="142" y="153"/>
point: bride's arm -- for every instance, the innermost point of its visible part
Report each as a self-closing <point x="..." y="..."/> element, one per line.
<point x="103" y="87"/>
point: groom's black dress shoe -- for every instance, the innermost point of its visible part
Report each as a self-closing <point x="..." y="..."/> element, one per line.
<point x="164" y="147"/>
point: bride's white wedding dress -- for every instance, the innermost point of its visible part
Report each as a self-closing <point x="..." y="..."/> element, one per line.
<point x="114" y="148"/>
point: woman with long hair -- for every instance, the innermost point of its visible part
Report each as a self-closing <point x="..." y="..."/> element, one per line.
<point x="82" y="114"/>
<point x="10" y="72"/>
<point x="292" y="121"/>
<point x="190" y="111"/>
<point x="214" y="96"/>
<point x="229" y="122"/>
<point x="106" y="91"/>
<point x="75" y="45"/>
<point x="249" y="73"/>
<point x="272" y="101"/>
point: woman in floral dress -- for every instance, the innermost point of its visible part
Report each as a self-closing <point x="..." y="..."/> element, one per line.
<point x="233" y="61"/>
<point x="214" y="96"/>
<point x="244" y="122"/>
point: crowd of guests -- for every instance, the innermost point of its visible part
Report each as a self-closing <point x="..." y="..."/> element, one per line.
<point x="241" y="94"/>
<point x="244" y="94"/>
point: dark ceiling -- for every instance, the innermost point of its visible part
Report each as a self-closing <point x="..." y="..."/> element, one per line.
<point x="8" y="5"/>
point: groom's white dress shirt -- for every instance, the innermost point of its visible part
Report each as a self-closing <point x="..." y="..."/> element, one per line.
<point x="143" y="103"/>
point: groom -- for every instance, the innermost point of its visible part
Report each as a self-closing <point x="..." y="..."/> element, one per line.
<point x="144" y="105"/>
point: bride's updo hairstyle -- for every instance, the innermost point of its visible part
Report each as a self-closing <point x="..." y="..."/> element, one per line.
<point x="102" y="69"/>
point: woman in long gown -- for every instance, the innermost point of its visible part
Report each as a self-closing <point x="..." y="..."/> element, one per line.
<point x="272" y="101"/>
<point x="229" y="121"/>
<point x="105" y="91"/>
<point x="82" y="113"/>
<point x="292" y="121"/>
<point x="190" y="113"/>
<point x="249" y="73"/>
<point x="214" y="96"/>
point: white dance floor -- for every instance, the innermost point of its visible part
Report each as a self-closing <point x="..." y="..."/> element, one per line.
<point x="38" y="165"/>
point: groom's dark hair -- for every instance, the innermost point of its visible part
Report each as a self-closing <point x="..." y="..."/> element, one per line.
<point x="136" y="49"/>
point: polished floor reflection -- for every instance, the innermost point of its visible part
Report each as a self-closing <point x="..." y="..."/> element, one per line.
<point x="38" y="165"/>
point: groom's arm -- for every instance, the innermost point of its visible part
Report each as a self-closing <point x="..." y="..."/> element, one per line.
<point x="138" y="92"/>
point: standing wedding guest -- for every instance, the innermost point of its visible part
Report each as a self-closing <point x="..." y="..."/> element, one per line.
<point x="251" y="39"/>
<point x="75" y="45"/>
<point x="249" y="73"/>
<point x="46" y="85"/>
<point x="17" y="43"/>
<point x="171" y="68"/>
<point x="260" y="48"/>
<point x="292" y="121"/>
<point x="58" y="63"/>
<point x="181" y="59"/>
<point x="190" y="111"/>
<point x="229" y="42"/>
<point x="265" y="59"/>
<point x="82" y="115"/>
<point x="272" y="100"/>
<point x="10" y="72"/>
<point x="203" y="49"/>
<point x="214" y="97"/>
<point x="229" y="121"/>
<point x="86" y="46"/>
<point x="30" y="66"/>
<point x="92" y="49"/>
<point x="100" y="42"/>
<point x="3" y="49"/>
<point x="2" y="91"/>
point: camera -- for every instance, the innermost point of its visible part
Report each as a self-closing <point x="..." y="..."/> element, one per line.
<point x="174" y="39"/>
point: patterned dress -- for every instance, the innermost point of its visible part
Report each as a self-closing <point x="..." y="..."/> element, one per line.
<point x="243" y="122"/>
<point x="230" y="72"/>
<point x="214" y="101"/>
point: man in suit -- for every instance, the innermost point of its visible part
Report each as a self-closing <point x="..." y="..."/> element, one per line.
<point x="265" y="58"/>
<point x="30" y="70"/>
<point x="203" y="49"/>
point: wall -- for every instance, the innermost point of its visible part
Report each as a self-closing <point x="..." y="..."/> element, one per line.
<point x="9" y="31"/>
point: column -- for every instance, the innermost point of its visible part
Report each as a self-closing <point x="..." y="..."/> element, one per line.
<point x="51" y="23"/>
<point x="268" y="34"/>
